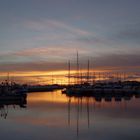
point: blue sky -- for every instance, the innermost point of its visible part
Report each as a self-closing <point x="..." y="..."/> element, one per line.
<point x="44" y="34"/>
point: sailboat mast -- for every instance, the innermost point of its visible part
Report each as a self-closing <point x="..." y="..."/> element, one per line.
<point x="8" y="78"/>
<point x="69" y="72"/>
<point x="88" y="72"/>
<point x="77" y="67"/>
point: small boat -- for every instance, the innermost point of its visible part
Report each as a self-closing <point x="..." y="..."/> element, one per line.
<point x="12" y="92"/>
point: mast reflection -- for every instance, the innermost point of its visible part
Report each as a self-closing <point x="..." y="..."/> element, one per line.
<point x="89" y="104"/>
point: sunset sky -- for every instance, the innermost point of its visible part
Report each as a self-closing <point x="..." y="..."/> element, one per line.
<point x="42" y="35"/>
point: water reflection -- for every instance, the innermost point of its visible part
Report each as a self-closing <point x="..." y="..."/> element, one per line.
<point x="6" y="103"/>
<point x="82" y="110"/>
<point x="52" y="115"/>
<point x="119" y="101"/>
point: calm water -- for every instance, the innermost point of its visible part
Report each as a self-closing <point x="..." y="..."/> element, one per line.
<point x="53" y="116"/>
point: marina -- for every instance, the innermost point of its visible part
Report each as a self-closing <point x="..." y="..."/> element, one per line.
<point x="104" y="88"/>
<point x="87" y="85"/>
<point x="69" y="70"/>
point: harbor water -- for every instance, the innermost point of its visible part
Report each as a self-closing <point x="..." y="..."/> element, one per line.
<point x="54" y="116"/>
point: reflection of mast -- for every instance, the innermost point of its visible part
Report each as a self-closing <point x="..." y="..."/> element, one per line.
<point x="81" y="105"/>
<point x="88" y="112"/>
<point x="69" y="103"/>
<point x="78" y="119"/>
<point x="4" y="111"/>
<point x="20" y="101"/>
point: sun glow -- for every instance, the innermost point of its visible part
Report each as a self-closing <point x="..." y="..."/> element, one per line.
<point x="64" y="77"/>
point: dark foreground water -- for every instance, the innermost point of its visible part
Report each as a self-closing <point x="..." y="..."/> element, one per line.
<point x="53" y="116"/>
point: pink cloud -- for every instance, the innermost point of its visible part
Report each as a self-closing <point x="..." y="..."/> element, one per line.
<point x="53" y="25"/>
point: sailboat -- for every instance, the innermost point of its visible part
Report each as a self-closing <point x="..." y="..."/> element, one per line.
<point x="100" y="89"/>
